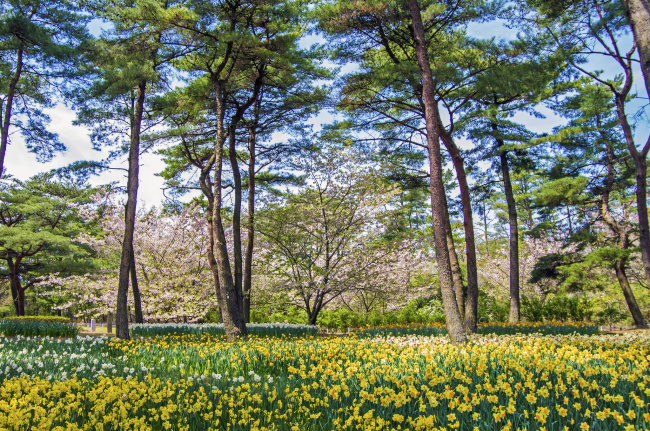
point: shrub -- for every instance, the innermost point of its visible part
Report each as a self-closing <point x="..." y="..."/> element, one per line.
<point x="13" y="327"/>
<point x="49" y="319"/>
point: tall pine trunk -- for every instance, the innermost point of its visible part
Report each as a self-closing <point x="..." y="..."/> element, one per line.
<point x="515" y="313"/>
<point x="640" y="166"/>
<point x="121" y="312"/>
<point x="236" y="214"/>
<point x="471" y="304"/>
<point x="250" y="228"/>
<point x="5" y="121"/>
<point x="452" y="315"/>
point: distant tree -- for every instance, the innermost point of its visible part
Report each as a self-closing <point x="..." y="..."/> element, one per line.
<point x="39" y="221"/>
<point x="325" y="240"/>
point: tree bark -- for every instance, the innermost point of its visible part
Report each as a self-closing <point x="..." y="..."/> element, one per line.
<point x="621" y="232"/>
<point x="236" y="215"/>
<point x="641" y="168"/>
<point x="638" y="13"/>
<point x="250" y="228"/>
<point x="632" y="305"/>
<point x="19" y="299"/>
<point x="514" y="233"/>
<point x="456" y="273"/>
<point x="137" y="304"/>
<point x="121" y="312"/>
<point x="12" y="285"/>
<point x="452" y="315"/>
<point x="470" y="309"/>
<point x="6" y="120"/>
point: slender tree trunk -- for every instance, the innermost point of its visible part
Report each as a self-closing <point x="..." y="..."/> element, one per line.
<point x="641" y="168"/>
<point x="250" y="228"/>
<point x="514" y="234"/>
<point x="470" y="309"/>
<point x="621" y="232"/>
<point x="236" y="216"/>
<point x="231" y="307"/>
<point x="12" y="285"/>
<point x="485" y="226"/>
<point x="137" y="304"/>
<point x="632" y="305"/>
<point x="452" y="315"/>
<point x="121" y="312"/>
<point x="638" y="13"/>
<point x="5" y="121"/>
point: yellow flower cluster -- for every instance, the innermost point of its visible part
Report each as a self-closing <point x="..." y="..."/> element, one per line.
<point x="408" y="383"/>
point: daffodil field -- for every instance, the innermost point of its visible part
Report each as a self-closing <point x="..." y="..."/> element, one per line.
<point x="408" y="382"/>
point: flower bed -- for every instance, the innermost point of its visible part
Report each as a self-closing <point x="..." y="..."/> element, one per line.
<point x="549" y="328"/>
<point x="36" y="328"/>
<point x="200" y="382"/>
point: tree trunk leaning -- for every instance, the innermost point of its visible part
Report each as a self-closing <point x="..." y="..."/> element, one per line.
<point x="453" y="319"/>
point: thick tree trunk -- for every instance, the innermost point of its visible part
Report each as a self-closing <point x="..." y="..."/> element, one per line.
<point x="231" y="306"/>
<point x="452" y="315"/>
<point x="17" y="291"/>
<point x="121" y="312"/>
<point x="470" y="309"/>
<point x="137" y="303"/>
<point x="5" y="121"/>
<point x="250" y="228"/>
<point x="206" y="188"/>
<point x="638" y="13"/>
<point x="514" y="235"/>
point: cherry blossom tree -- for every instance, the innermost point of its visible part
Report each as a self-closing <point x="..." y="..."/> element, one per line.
<point x="326" y="240"/>
<point x="174" y="274"/>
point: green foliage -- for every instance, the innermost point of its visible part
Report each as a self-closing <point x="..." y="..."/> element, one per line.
<point x="560" y="307"/>
<point x="290" y="315"/>
<point x="609" y="315"/>
<point x="39" y="222"/>
<point x="36" y="328"/>
<point x="41" y="43"/>
<point x="49" y="319"/>
<point x="491" y="309"/>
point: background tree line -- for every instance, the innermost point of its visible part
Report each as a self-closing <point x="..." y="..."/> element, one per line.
<point x="369" y="213"/>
